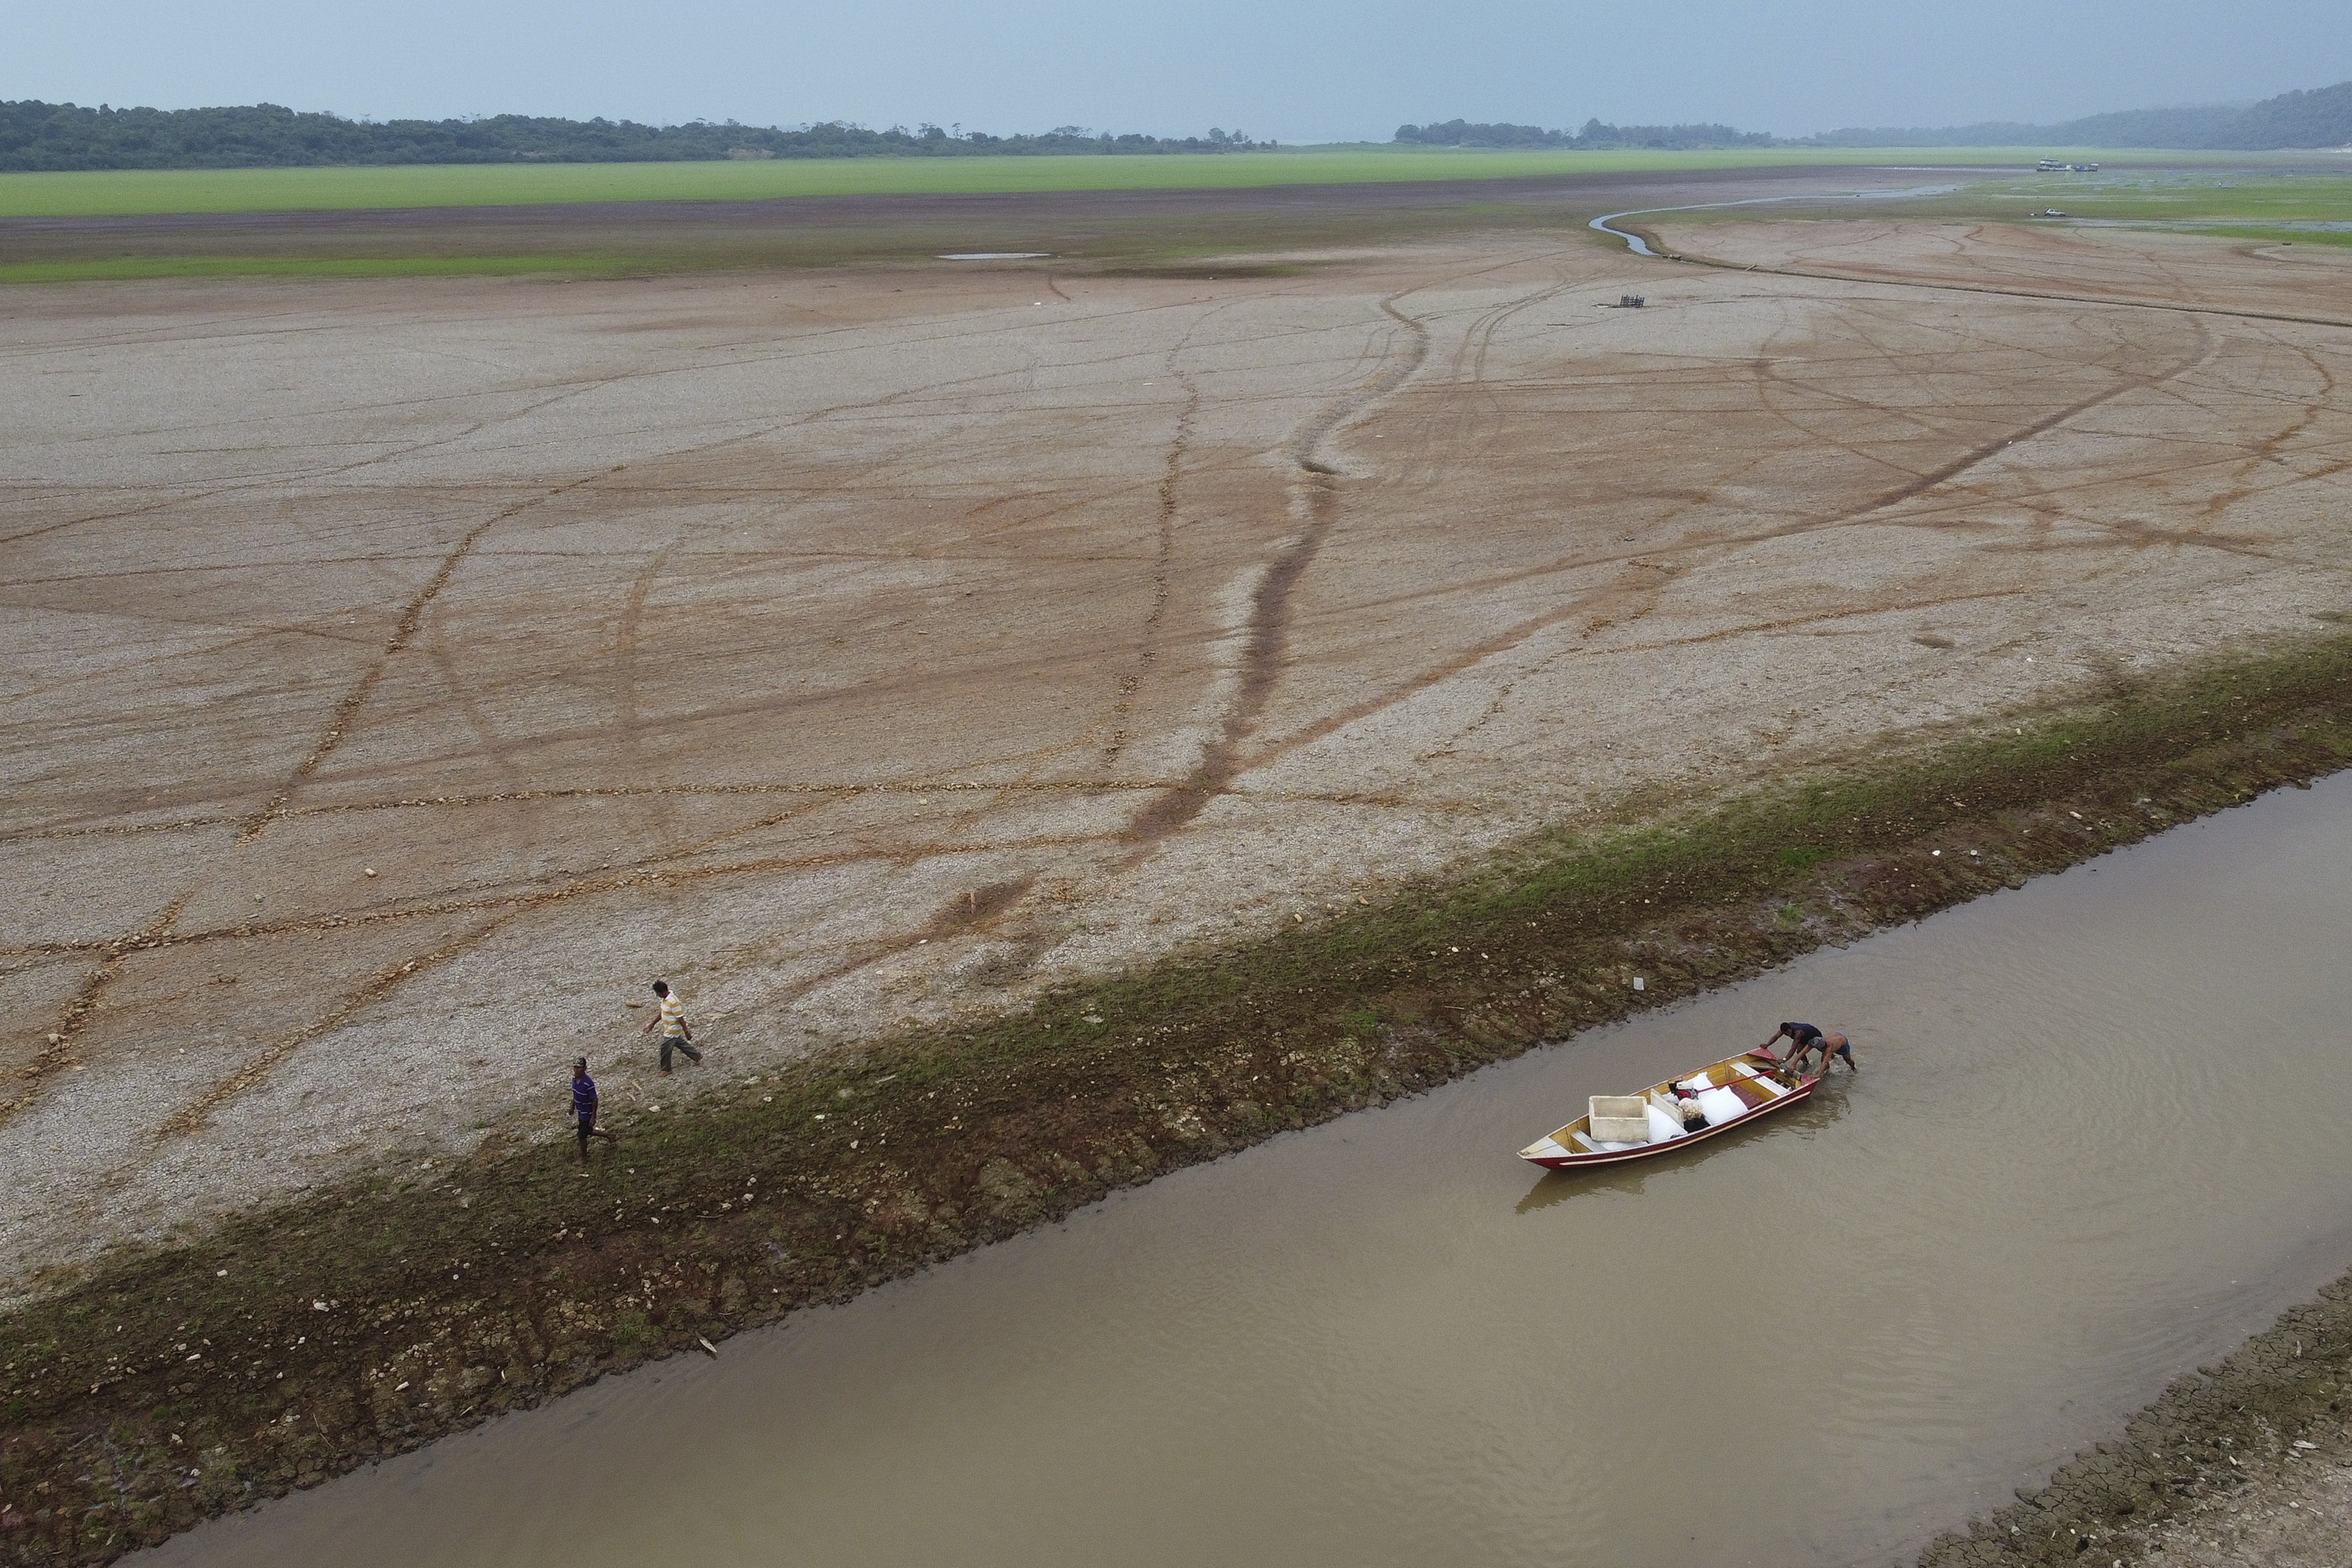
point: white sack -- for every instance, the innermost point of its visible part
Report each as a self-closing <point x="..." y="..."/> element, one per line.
<point x="1719" y="1106"/>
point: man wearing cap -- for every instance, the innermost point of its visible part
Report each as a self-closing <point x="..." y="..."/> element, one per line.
<point x="584" y="1107"/>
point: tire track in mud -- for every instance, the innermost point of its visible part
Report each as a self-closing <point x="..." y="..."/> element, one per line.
<point x="1163" y="559"/>
<point x="628" y="634"/>
<point x="1264" y="648"/>
<point x="1475" y="429"/>
<point x="56" y="1053"/>
<point x="956" y="913"/>
<point x="625" y="635"/>
<point x="1620" y="603"/>
<point x="1914" y="484"/>
<point x="1918" y="482"/>
<point x="1167" y="511"/>
<point x="2104" y="301"/>
<point x="1003" y="897"/>
<point x="277" y="481"/>
<point x="1264" y="644"/>
<point x="347" y="710"/>
<point x="973" y="909"/>
<point x="824" y="791"/>
<point x="662" y="870"/>
<point x="143" y="509"/>
<point x="2045" y="501"/>
<point x="76" y="1014"/>
<point x="2268" y="448"/>
<point x="191" y="1116"/>
<point x="1464" y="660"/>
<point x="404" y="632"/>
<point x="1767" y="372"/>
<point x="1265" y="634"/>
<point x="1123" y="702"/>
<point x="794" y="349"/>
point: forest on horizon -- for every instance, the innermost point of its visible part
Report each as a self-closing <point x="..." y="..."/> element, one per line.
<point x="36" y="136"/>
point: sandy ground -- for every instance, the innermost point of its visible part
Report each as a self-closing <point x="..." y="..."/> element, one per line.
<point x="400" y="676"/>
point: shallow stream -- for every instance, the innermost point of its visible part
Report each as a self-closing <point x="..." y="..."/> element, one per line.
<point x="2103" y="1131"/>
<point x="1606" y="222"/>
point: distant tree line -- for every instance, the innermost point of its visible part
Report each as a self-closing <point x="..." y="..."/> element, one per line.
<point x="2293" y="120"/>
<point x="1462" y="133"/>
<point x="35" y="135"/>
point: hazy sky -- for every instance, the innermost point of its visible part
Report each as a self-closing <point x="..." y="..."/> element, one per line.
<point x="1297" y="70"/>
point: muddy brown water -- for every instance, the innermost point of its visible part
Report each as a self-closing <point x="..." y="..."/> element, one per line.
<point x="2100" y="1135"/>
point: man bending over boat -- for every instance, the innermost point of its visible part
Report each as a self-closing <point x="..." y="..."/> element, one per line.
<point x="1803" y="1039"/>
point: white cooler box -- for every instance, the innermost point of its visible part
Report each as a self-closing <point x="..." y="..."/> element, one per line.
<point x="1619" y="1119"/>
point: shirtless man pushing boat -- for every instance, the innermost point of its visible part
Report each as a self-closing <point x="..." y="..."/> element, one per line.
<point x="1803" y="1038"/>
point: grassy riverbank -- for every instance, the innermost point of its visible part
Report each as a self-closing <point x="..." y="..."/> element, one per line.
<point x="165" y="1385"/>
<point x="2306" y="205"/>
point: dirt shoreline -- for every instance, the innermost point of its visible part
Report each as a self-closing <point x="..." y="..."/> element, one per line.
<point x="165" y="1385"/>
<point x="2244" y="1462"/>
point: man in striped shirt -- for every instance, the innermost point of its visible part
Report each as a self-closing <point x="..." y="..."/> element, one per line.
<point x="671" y="1022"/>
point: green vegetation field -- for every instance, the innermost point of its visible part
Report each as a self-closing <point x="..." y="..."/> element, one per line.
<point x="128" y="193"/>
<point x="2304" y="208"/>
<point x="477" y="220"/>
<point x="132" y="268"/>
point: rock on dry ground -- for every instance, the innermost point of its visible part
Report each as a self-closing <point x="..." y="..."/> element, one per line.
<point x="400" y="675"/>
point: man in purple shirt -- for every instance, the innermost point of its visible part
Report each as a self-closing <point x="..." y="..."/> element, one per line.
<point x="584" y="1107"/>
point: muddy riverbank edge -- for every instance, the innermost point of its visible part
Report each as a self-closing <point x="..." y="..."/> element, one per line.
<point x="2236" y="1463"/>
<point x="168" y="1385"/>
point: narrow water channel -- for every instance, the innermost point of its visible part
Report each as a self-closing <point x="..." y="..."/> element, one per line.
<point x="1606" y="222"/>
<point x="2103" y="1131"/>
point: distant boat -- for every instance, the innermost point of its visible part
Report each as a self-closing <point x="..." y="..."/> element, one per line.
<point x="1615" y="1127"/>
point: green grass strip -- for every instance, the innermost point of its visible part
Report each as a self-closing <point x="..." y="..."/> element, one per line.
<point x="130" y="268"/>
<point x="2260" y="204"/>
<point x="144" y="192"/>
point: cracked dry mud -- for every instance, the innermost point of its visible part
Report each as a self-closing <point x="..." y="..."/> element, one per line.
<point x="401" y="675"/>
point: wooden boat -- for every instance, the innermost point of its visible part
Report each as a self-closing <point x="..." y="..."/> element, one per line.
<point x="1733" y="1092"/>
